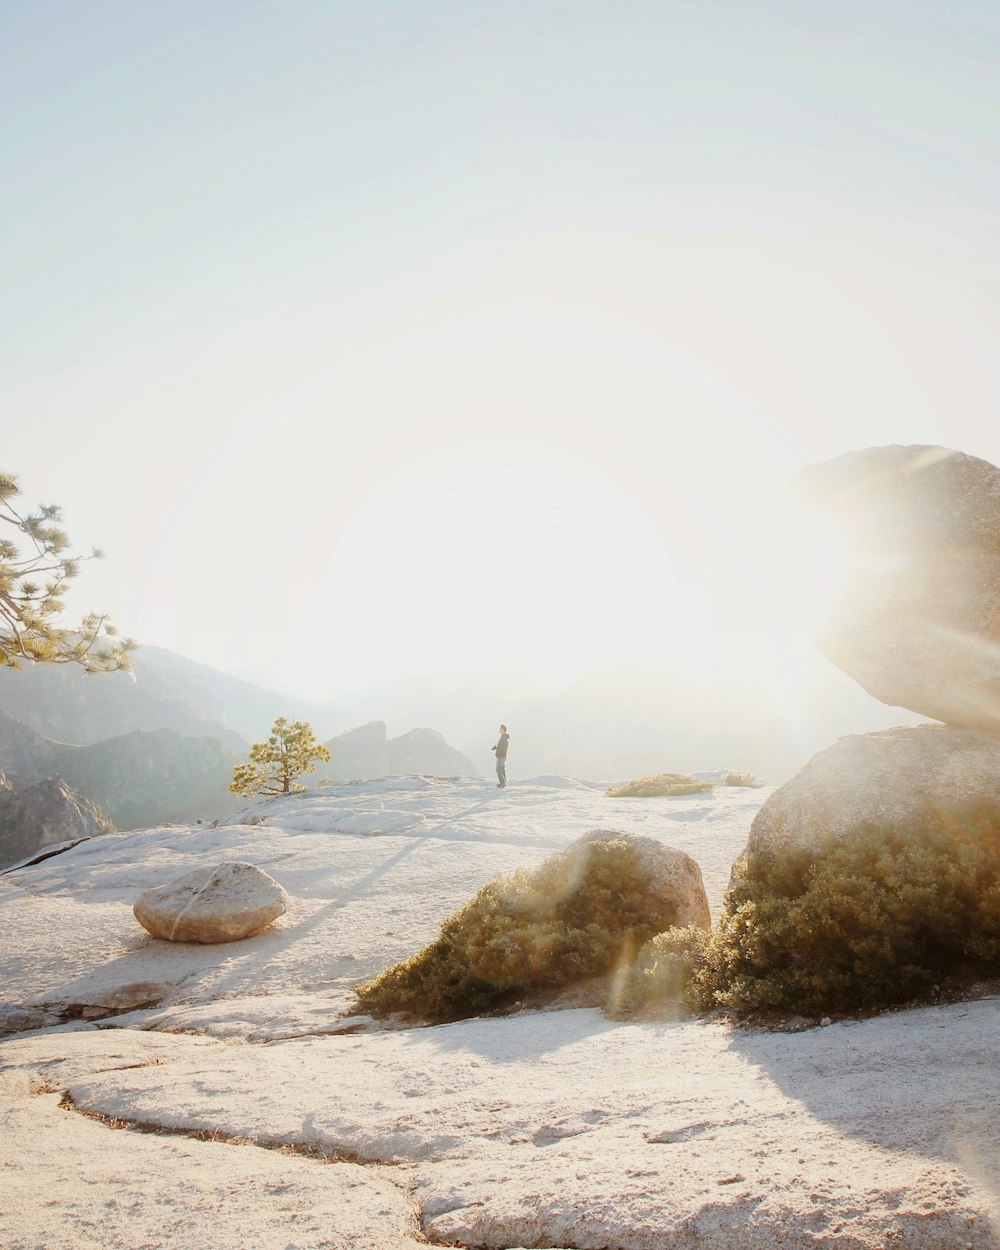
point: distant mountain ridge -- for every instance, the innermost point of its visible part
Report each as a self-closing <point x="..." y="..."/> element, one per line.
<point x="367" y="753"/>
<point x="139" y="778"/>
<point x="167" y="692"/>
<point x="162" y="747"/>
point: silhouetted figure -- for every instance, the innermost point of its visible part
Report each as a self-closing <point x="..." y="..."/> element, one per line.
<point x="500" y="751"/>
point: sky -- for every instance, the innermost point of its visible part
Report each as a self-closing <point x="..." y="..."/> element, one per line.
<point x="378" y="340"/>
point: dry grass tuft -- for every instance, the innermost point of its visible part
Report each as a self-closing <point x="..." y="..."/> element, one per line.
<point x="658" y="785"/>
<point x="743" y="777"/>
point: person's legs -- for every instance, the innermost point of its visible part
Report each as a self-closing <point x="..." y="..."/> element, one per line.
<point x="501" y="770"/>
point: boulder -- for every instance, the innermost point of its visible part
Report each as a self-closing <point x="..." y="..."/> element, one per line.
<point x="44" y="815"/>
<point x="674" y="875"/>
<point x="871" y="878"/>
<point x="233" y="900"/>
<point x="911" y="777"/>
<point x="562" y="933"/>
<point x="917" y="614"/>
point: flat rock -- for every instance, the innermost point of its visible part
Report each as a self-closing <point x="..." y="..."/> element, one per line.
<point x="224" y="903"/>
<point x="15" y="1018"/>
<point x="101" y="1002"/>
<point x="916" y="617"/>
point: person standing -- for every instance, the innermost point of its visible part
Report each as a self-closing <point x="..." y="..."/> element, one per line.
<point x="500" y="751"/>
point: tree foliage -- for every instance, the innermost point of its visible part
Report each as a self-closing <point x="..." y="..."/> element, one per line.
<point x="36" y="565"/>
<point x="290" y="751"/>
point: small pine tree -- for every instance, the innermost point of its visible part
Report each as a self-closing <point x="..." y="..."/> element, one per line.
<point x="290" y="751"/>
<point x="30" y="608"/>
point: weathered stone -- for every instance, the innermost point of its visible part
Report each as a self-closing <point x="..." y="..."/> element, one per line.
<point x="675" y="876"/>
<point x="102" y="1002"/>
<point x="222" y="904"/>
<point x="902" y="778"/>
<point x="917" y="616"/>
<point x="17" y="1019"/>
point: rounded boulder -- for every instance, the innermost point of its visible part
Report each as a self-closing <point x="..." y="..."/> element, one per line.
<point x="225" y="903"/>
<point x="673" y="875"/>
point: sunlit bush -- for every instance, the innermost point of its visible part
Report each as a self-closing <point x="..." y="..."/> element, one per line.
<point x="743" y="777"/>
<point x="660" y="784"/>
<point x="864" y="923"/>
<point x="580" y="915"/>
<point x="674" y="973"/>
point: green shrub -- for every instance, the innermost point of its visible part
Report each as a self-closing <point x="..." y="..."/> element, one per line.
<point x="583" y="913"/>
<point x="661" y="783"/>
<point x="674" y="971"/>
<point x="743" y="777"/>
<point x="860" y="924"/>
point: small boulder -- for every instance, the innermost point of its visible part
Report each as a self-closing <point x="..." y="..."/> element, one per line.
<point x="231" y="901"/>
<point x="540" y="937"/>
<point x="916" y="620"/>
<point x="672" y="874"/>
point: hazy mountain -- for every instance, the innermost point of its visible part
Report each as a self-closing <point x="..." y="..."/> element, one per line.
<point x="43" y="815"/>
<point x="139" y="779"/>
<point x="167" y="692"/>
<point x="465" y="708"/>
<point x="147" y="778"/>
<point x="425" y="751"/>
<point x="25" y="756"/>
<point x="367" y="752"/>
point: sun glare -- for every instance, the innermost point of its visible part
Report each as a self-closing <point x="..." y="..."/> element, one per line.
<point x="803" y="562"/>
<point x="493" y="570"/>
<point x="556" y="575"/>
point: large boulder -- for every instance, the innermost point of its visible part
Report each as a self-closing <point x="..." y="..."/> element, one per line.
<point x="917" y="616"/>
<point x="870" y="877"/>
<point x="44" y="815"/>
<point x="222" y="904"/>
<point x="908" y="777"/>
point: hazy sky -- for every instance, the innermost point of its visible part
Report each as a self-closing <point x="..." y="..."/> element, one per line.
<point x="374" y="339"/>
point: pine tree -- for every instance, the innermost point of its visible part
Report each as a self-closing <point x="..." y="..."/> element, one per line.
<point x="32" y="585"/>
<point x="290" y="751"/>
